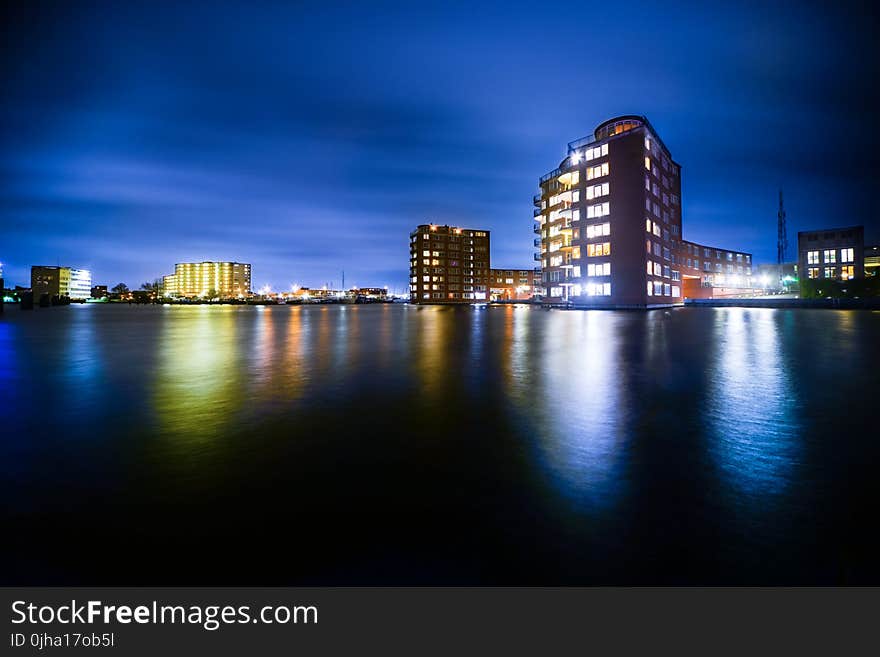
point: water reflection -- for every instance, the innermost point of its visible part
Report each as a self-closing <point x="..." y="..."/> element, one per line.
<point x="582" y="437"/>
<point x="507" y="444"/>
<point x="199" y="388"/>
<point x="752" y="415"/>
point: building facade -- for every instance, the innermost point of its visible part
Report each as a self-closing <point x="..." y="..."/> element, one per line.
<point x="872" y="260"/>
<point x="80" y="283"/>
<point x="448" y="265"/>
<point x="514" y="284"/>
<point x="61" y="282"/>
<point x="224" y="280"/>
<point x="610" y="226"/>
<point x="832" y="253"/>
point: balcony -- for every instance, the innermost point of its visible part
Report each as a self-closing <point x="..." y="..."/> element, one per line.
<point x="537" y="241"/>
<point x="537" y="257"/>
<point x="537" y="213"/>
<point x="537" y="229"/>
<point x="536" y="200"/>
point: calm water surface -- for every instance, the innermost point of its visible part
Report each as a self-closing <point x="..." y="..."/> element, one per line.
<point x="399" y="445"/>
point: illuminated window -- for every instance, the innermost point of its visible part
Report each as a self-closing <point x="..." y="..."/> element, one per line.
<point x="576" y="253"/>
<point x="647" y="163"/>
<point x="676" y="291"/>
<point x="812" y="257"/>
<point x="650" y="289"/>
<point x="830" y="256"/>
<point x="830" y="272"/>
<point x="647" y="144"/>
<point x="597" y="171"/>
<point x="598" y="210"/>
<point x="847" y="272"/>
<point x="597" y="191"/>
<point x="602" y="269"/>
<point x="846" y="255"/>
<point x="576" y="271"/>
<point x="598" y="230"/>
<point x="648" y="226"/>
<point x="600" y="249"/>
<point x="650" y="267"/>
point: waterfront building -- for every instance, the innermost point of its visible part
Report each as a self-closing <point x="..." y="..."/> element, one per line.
<point x="57" y="281"/>
<point x="779" y="278"/>
<point x="832" y="253"/>
<point x="872" y="260"/>
<point x="223" y="280"/>
<point x="379" y="293"/>
<point x="99" y="291"/>
<point x="514" y="284"/>
<point x="610" y="227"/>
<point x="51" y="280"/>
<point x="448" y="264"/>
<point x="80" y="283"/>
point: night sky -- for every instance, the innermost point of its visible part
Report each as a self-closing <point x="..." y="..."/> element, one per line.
<point x="314" y="139"/>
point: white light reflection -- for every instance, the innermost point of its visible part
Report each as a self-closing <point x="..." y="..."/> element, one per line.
<point x="752" y="408"/>
<point x="582" y="435"/>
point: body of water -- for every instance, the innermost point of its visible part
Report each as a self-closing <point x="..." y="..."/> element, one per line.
<point x="393" y="444"/>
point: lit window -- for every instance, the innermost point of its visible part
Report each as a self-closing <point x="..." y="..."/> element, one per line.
<point x="830" y="256"/>
<point x="830" y="272"/>
<point x="847" y="272"/>
<point x="647" y="163"/>
<point x="648" y="225"/>
<point x="812" y="257"/>
<point x="846" y="255"/>
<point x="647" y="144"/>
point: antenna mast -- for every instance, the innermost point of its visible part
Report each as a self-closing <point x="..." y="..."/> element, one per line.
<point x="781" y="233"/>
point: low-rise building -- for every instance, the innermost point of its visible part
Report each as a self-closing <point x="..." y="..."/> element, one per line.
<point x="223" y="280"/>
<point x="57" y="281"/>
<point x="832" y="253"/>
<point x="872" y="260"/>
<point x="514" y="284"/>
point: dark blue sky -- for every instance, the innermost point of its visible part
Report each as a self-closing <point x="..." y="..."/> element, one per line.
<point x="307" y="140"/>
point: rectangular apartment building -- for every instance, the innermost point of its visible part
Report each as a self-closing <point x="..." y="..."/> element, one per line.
<point x="707" y="271"/>
<point x="61" y="282"/>
<point x="448" y="264"/>
<point x="514" y="284"/>
<point x="833" y="253"/>
<point x="610" y="224"/>
<point x="224" y="280"/>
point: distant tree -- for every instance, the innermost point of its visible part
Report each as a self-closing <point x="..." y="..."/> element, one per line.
<point x="120" y="288"/>
<point x="213" y="294"/>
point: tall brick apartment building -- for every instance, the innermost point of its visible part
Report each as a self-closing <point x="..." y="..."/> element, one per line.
<point x="610" y="226"/>
<point x="448" y="264"/>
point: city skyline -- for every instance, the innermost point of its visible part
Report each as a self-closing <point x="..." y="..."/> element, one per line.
<point x="306" y="155"/>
